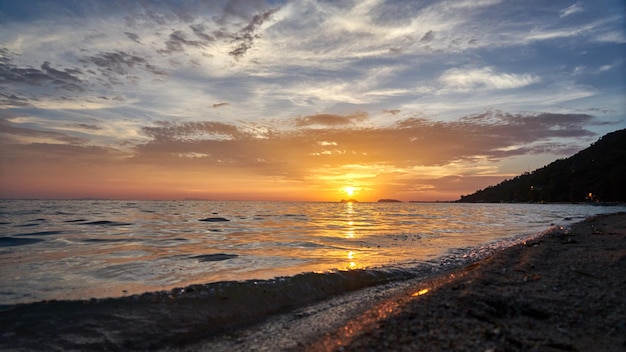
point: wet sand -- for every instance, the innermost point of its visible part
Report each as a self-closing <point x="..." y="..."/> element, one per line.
<point x="564" y="291"/>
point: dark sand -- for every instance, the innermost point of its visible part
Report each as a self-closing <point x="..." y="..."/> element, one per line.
<point x="565" y="291"/>
<point x="561" y="292"/>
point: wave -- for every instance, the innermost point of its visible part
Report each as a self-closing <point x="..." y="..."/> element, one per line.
<point x="106" y="223"/>
<point x="13" y="242"/>
<point x="182" y="315"/>
<point x="40" y="233"/>
<point x="168" y="318"/>
<point x="214" y="257"/>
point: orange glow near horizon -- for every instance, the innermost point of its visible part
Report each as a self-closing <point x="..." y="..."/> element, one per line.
<point x="300" y="164"/>
<point x="158" y="108"/>
<point x="76" y="172"/>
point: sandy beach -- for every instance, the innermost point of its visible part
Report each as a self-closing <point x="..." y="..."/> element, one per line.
<point x="560" y="292"/>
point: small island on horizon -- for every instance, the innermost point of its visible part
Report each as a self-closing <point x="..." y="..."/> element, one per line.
<point x="351" y="200"/>
<point x="383" y="200"/>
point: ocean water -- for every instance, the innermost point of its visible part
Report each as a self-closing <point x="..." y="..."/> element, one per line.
<point x="82" y="249"/>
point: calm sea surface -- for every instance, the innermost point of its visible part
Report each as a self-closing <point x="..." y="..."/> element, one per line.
<point x="83" y="249"/>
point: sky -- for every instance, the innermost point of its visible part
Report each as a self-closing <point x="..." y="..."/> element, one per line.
<point x="300" y="100"/>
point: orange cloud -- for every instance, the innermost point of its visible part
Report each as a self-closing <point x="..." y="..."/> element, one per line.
<point x="413" y="158"/>
<point x="330" y="119"/>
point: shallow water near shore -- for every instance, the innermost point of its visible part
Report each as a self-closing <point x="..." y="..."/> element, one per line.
<point x="73" y="250"/>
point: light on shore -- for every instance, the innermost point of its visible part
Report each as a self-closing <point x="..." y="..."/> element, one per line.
<point x="420" y="292"/>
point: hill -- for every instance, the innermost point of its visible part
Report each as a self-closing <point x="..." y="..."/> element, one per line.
<point x="595" y="174"/>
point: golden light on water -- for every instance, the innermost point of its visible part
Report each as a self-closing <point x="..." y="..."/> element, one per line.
<point x="350" y="231"/>
<point x="351" y="257"/>
<point x="420" y="292"/>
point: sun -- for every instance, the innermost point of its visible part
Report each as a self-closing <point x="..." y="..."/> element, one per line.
<point x="349" y="190"/>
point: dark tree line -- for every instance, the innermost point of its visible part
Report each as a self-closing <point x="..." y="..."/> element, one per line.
<point x="596" y="174"/>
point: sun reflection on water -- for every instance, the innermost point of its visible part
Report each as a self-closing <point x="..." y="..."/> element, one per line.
<point x="351" y="258"/>
<point x="350" y="228"/>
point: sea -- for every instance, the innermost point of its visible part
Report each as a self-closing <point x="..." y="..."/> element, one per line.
<point x="93" y="249"/>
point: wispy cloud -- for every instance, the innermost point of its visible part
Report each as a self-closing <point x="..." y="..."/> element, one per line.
<point x="116" y="65"/>
<point x="577" y="7"/>
<point x="330" y="120"/>
<point x="244" y="39"/>
<point x="466" y="79"/>
<point x="45" y="75"/>
<point x="611" y="37"/>
<point x="491" y="135"/>
<point x="177" y="42"/>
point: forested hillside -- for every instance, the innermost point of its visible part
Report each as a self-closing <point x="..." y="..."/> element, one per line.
<point x="596" y="174"/>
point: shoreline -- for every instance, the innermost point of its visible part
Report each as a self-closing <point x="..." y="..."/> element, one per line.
<point x="560" y="291"/>
<point x="381" y="316"/>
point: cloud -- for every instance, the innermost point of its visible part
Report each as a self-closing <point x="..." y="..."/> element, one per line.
<point x="85" y="126"/>
<point x="244" y="39"/>
<point x="391" y="111"/>
<point x="200" y="31"/>
<point x="5" y="56"/>
<point x="193" y="131"/>
<point x="65" y="75"/>
<point x="177" y="41"/>
<point x="22" y="135"/>
<point x="45" y="76"/>
<point x="330" y="120"/>
<point x="142" y="13"/>
<point x="12" y="100"/>
<point x="577" y="7"/>
<point x="611" y="66"/>
<point x="406" y="159"/>
<point x="133" y="36"/>
<point x="550" y="34"/>
<point x="411" y="142"/>
<point x="467" y="79"/>
<point x="428" y="37"/>
<point x="469" y="4"/>
<point x="611" y="37"/>
<point x="579" y="70"/>
<point x="120" y="64"/>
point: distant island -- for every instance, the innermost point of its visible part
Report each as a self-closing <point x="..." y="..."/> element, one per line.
<point x="595" y="174"/>
<point x="351" y="200"/>
<point x="385" y="200"/>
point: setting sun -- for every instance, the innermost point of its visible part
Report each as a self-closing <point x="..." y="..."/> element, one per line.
<point x="349" y="190"/>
